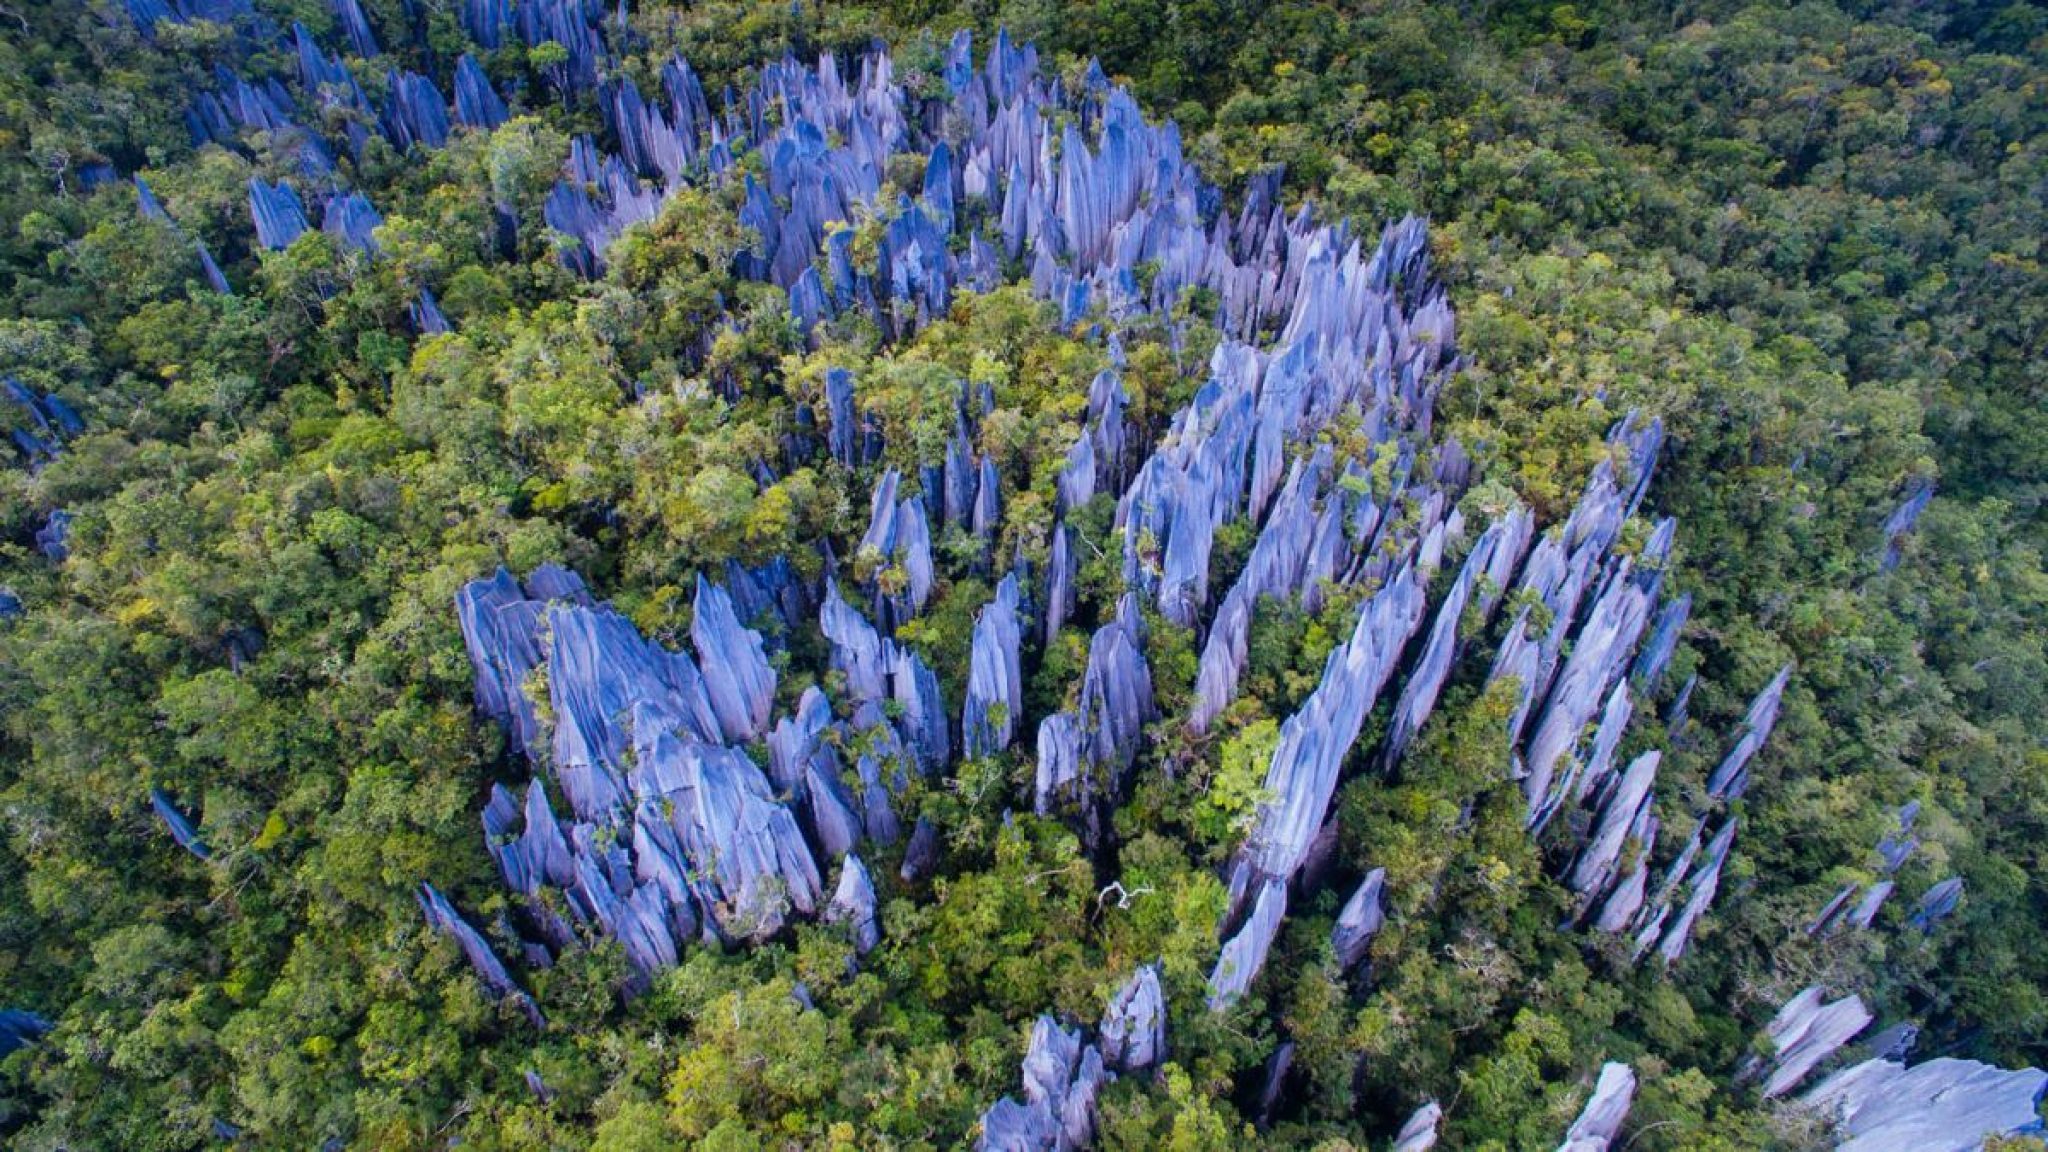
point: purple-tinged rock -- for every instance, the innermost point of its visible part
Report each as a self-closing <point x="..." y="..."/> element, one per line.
<point x="853" y="905"/>
<point x="280" y="218"/>
<point x="1731" y="778"/>
<point x="1060" y="583"/>
<point x="1938" y="903"/>
<point x="1116" y="689"/>
<point x="1942" y="1105"/>
<point x="1060" y="766"/>
<point x="921" y="855"/>
<point x="858" y="651"/>
<point x="1244" y="955"/>
<point x="747" y="847"/>
<point x="1624" y="816"/>
<point x="1700" y="897"/>
<point x="502" y="631"/>
<point x="443" y="918"/>
<point x="921" y="712"/>
<point x="1601" y="1119"/>
<point x="1663" y="642"/>
<point x="356" y="27"/>
<point x="1360" y="920"/>
<point x="995" y="680"/>
<point x="1134" y="1027"/>
<point x="352" y="221"/>
<point x="1900" y="523"/>
<point x="1805" y="1032"/>
<point x="1317" y="738"/>
<point x="737" y="678"/>
<point x="1419" y="1133"/>
<point x="477" y="104"/>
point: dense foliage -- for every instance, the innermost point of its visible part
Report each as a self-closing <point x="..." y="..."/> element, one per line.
<point x="1807" y="237"/>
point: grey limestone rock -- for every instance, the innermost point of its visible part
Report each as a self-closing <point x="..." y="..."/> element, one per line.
<point x="1805" y="1032"/>
<point x="737" y="680"/>
<point x="1134" y="1027"/>
<point x="1942" y="1105"/>
<point x="1731" y="778"/>
<point x="1601" y="1119"/>
<point x="1360" y="920"/>
<point x="1419" y="1133"/>
<point x="995" y="679"/>
<point x="442" y="917"/>
<point x="853" y="905"/>
<point x="1244" y="954"/>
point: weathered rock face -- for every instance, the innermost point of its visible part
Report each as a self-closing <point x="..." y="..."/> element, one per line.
<point x="501" y="627"/>
<point x="1360" y="920"/>
<point x="1493" y="559"/>
<point x="670" y="832"/>
<point x="1419" y="1133"/>
<point x="1134" y="1027"/>
<point x="1244" y="955"/>
<point x="1669" y="933"/>
<point x="442" y="917"/>
<point x="1901" y="522"/>
<point x="853" y="905"/>
<point x="1848" y="908"/>
<point x="1941" y="1105"/>
<point x="1626" y="815"/>
<point x="995" y="678"/>
<point x="738" y="683"/>
<point x="1063" y="1074"/>
<point x="1316" y="739"/>
<point x="1805" y="1032"/>
<point x="694" y="839"/>
<point x="921" y="711"/>
<point x="756" y="864"/>
<point x="1731" y="778"/>
<point x="1599" y="658"/>
<point x="857" y="649"/>
<point x="279" y="216"/>
<point x="1600" y="1121"/>
<point x="1061" y="1080"/>
<point x="1937" y="903"/>
<point x="1116" y="689"/>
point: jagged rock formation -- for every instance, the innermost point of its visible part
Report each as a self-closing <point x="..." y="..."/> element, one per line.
<point x="1419" y="1133"/>
<point x="1942" y="1105"/>
<point x="995" y="679"/>
<point x="1731" y="777"/>
<point x="1892" y="853"/>
<point x="695" y="838"/>
<point x="1063" y="1076"/>
<point x="738" y="682"/>
<point x="1134" y="1026"/>
<point x="1316" y="739"/>
<point x="1600" y="1121"/>
<point x="1805" y="1032"/>
<point x="1903" y="519"/>
<point x="1359" y="921"/>
<point x="178" y="824"/>
<point x="668" y="832"/>
<point x="1937" y="903"/>
<point x="1244" y="954"/>
<point x="1625" y="816"/>
<point x="1700" y="878"/>
<point x="853" y="905"/>
<point x="442" y="917"/>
